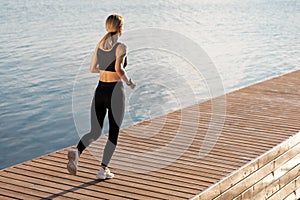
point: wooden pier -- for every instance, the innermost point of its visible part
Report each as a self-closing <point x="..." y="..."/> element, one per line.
<point x="256" y="156"/>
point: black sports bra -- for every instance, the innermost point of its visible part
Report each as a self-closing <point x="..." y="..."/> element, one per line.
<point x="107" y="59"/>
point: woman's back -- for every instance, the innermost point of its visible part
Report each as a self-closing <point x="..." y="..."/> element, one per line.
<point x="107" y="58"/>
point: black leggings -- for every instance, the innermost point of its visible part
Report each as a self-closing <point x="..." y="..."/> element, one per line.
<point x="108" y="96"/>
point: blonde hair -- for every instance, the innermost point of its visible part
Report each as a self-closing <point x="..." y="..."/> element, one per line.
<point x="112" y="24"/>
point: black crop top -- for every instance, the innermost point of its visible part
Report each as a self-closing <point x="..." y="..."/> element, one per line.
<point x="107" y="59"/>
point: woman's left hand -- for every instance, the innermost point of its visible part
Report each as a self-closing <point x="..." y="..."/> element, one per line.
<point x="131" y="84"/>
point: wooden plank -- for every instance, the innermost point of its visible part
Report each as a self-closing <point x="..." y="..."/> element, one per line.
<point x="88" y="185"/>
<point x="279" y="183"/>
<point x="168" y="179"/>
<point x="156" y="161"/>
<point x="272" y="124"/>
<point x="291" y="196"/>
<point x="140" y="189"/>
<point x="13" y="194"/>
<point x="217" y="149"/>
<point x="262" y="186"/>
<point x="149" y="179"/>
<point x="14" y="181"/>
<point x="295" y="194"/>
<point x="22" y="191"/>
<point x="273" y="181"/>
<point x="42" y="180"/>
<point x="286" y="190"/>
<point x="270" y="128"/>
<point x="169" y="176"/>
<point x="231" y="136"/>
<point x="230" y="142"/>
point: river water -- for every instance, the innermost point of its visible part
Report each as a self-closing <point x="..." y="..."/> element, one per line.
<point x="46" y="46"/>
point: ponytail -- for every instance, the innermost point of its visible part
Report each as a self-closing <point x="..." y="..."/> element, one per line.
<point x="108" y="41"/>
<point x="113" y="24"/>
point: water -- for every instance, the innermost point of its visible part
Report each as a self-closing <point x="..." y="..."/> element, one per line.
<point x="46" y="47"/>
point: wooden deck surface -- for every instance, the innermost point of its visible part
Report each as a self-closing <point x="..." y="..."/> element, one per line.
<point x="258" y="118"/>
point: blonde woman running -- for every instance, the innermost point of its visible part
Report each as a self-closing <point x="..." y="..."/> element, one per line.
<point x="109" y="60"/>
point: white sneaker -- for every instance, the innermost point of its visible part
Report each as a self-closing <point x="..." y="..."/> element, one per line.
<point x="73" y="161"/>
<point x="104" y="174"/>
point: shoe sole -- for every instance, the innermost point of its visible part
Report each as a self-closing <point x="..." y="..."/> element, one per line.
<point x="100" y="177"/>
<point x="103" y="178"/>
<point x="71" y="164"/>
<point x="110" y="177"/>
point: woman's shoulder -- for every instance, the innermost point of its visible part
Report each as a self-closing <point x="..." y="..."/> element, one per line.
<point x="121" y="45"/>
<point x="121" y="48"/>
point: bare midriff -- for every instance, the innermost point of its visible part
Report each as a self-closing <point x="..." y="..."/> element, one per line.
<point x="108" y="76"/>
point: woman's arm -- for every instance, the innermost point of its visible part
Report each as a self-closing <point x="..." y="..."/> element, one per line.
<point x="94" y="63"/>
<point x="119" y="66"/>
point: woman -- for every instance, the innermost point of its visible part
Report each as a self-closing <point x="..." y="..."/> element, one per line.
<point x="109" y="59"/>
